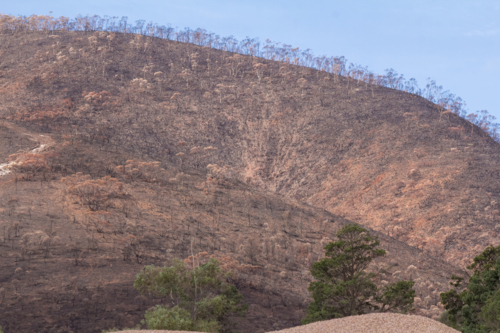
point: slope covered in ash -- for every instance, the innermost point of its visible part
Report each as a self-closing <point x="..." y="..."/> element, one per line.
<point x="114" y="103"/>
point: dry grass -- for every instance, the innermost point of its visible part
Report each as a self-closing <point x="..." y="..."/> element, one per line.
<point x="373" y="323"/>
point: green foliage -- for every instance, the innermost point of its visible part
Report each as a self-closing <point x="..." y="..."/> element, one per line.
<point x="397" y="296"/>
<point x="343" y="288"/>
<point x="477" y="307"/>
<point x="490" y="313"/>
<point x="1" y="331"/>
<point x="445" y="319"/>
<point x="202" y="297"/>
<point x="178" y="319"/>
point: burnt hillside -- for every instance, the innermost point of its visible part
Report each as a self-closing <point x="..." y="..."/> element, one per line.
<point x="68" y="264"/>
<point x="378" y="156"/>
<point x="247" y="157"/>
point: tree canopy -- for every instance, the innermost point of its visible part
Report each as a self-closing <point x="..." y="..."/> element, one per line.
<point x="200" y="298"/>
<point x="343" y="288"/>
<point x="476" y="308"/>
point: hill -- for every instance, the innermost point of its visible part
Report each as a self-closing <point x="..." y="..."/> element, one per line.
<point x="254" y="161"/>
<point x="411" y="169"/>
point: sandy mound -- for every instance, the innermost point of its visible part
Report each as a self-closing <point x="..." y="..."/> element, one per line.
<point x="373" y="323"/>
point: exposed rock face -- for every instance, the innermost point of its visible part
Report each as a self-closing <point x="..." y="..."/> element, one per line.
<point x="245" y="164"/>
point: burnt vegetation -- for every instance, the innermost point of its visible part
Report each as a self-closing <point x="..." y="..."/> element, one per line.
<point x="122" y="146"/>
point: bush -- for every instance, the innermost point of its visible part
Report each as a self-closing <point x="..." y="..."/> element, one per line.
<point x="204" y="299"/>
<point x="342" y="288"/>
<point x="177" y="319"/>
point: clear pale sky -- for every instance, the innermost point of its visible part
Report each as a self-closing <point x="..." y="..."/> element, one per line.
<point x="456" y="43"/>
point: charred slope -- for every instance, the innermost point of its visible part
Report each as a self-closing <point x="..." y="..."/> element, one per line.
<point x="67" y="268"/>
<point x="380" y="157"/>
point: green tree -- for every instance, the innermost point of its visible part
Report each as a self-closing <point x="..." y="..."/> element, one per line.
<point x="490" y="313"/>
<point x="476" y="308"/>
<point x="343" y="288"/>
<point x="200" y="298"/>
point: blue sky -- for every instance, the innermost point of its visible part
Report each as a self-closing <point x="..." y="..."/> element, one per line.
<point x="456" y="43"/>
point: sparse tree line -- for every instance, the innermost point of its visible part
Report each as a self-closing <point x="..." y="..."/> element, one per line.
<point x="267" y="50"/>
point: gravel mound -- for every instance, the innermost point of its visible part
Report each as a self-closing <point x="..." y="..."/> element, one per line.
<point x="374" y="323"/>
<point x="369" y="323"/>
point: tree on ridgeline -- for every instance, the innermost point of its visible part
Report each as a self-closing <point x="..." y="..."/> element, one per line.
<point x="271" y="50"/>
